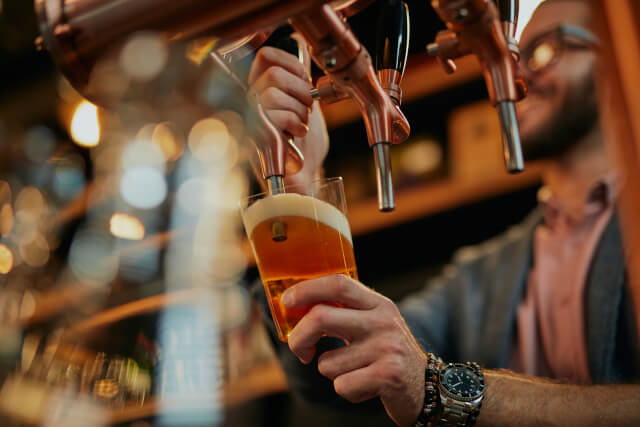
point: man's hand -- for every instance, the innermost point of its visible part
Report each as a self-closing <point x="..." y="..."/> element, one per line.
<point x="381" y="359"/>
<point x="284" y="89"/>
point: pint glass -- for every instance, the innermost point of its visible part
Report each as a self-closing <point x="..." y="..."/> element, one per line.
<point x="297" y="236"/>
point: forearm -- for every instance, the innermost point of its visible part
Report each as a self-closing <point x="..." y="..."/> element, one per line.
<point x="314" y="146"/>
<point x="513" y="399"/>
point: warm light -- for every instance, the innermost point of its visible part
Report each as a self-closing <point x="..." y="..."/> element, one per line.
<point x="144" y="56"/>
<point x="144" y="153"/>
<point x="126" y="227"/>
<point x="6" y="220"/>
<point x="31" y="201"/>
<point x="85" y="126"/>
<point x="5" y="192"/>
<point x="35" y="252"/>
<point x="211" y="142"/>
<point x="6" y="259"/>
<point x="421" y="157"/>
<point x="167" y="139"/>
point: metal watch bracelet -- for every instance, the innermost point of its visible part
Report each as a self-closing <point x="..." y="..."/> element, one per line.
<point x="459" y="414"/>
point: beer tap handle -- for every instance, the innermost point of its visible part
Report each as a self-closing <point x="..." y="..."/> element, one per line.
<point x="508" y="10"/>
<point x="277" y="154"/>
<point x="392" y="47"/>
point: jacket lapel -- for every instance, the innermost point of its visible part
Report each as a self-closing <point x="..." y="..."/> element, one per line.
<point x="505" y="297"/>
<point x="605" y="284"/>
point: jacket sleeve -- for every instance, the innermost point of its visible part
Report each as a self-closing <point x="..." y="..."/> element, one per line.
<point x="427" y="313"/>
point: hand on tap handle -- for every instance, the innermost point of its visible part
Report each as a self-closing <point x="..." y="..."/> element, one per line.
<point x="282" y="86"/>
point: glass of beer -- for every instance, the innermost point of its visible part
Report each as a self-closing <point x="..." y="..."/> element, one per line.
<point x="296" y="236"/>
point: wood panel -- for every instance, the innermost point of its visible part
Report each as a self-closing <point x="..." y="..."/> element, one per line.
<point x="619" y="96"/>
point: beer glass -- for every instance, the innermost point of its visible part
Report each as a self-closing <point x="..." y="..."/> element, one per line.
<point x="296" y="236"/>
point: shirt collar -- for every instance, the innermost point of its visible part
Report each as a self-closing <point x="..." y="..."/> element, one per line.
<point x="581" y="201"/>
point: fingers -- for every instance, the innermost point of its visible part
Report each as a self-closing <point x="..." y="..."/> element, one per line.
<point x="359" y="385"/>
<point x="273" y="98"/>
<point x="272" y="57"/>
<point x="285" y="80"/>
<point x="335" y="289"/>
<point x="338" y="362"/>
<point x="326" y="320"/>
<point x="288" y="121"/>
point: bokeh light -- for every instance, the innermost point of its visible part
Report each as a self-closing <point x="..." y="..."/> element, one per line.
<point x="92" y="258"/>
<point x="421" y="157"/>
<point x="39" y="143"/>
<point x="143" y="154"/>
<point x="211" y="142"/>
<point x="35" y="252"/>
<point x="31" y="201"/>
<point x="85" y="125"/>
<point x="167" y="138"/>
<point x="144" y="56"/>
<point x="6" y="220"/>
<point x="126" y="227"/>
<point x="143" y="187"/>
<point x="6" y="259"/>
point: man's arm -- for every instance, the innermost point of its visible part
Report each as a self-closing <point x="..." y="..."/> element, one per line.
<point x="518" y="400"/>
<point x="383" y="359"/>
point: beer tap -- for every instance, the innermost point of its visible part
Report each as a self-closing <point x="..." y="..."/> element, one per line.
<point x="349" y="71"/>
<point x="476" y="26"/>
<point x="278" y="156"/>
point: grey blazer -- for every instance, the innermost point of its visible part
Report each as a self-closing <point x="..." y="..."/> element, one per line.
<point x="469" y="312"/>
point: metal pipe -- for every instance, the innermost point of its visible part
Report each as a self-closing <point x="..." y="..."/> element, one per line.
<point x="513" y="158"/>
<point x="382" y="159"/>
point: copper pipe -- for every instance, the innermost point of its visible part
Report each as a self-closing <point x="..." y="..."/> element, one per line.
<point x="79" y="32"/>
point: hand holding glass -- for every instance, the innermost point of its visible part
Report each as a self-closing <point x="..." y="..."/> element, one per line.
<point x="298" y="236"/>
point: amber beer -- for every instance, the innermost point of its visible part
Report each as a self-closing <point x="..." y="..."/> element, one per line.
<point x="295" y="238"/>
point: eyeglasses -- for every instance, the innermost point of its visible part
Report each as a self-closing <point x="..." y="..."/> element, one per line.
<point x="545" y="50"/>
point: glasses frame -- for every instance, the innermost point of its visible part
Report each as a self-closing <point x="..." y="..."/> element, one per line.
<point x="561" y="35"/>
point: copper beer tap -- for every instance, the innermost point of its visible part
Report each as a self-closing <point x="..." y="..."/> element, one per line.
<point x="474" y="26"/>
<point x="349" y="71"/>
<point x="78" y="32"/>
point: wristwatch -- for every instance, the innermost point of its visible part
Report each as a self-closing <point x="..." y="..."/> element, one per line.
<point x="461" y="387"/>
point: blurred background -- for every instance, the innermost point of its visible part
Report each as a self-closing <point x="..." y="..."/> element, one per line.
<point x="124" y="271"/>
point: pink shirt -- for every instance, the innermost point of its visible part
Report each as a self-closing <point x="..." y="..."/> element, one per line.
<point x="551" y="339"/>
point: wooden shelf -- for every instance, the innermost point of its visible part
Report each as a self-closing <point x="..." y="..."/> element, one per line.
<point x="423" y="76"/>
<point x="436" y="197"/>
<point x="261" y="381"/>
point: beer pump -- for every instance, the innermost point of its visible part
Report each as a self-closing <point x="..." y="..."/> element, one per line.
<point x="78" y="32"/>
<point x="384" y="121"/>
<point x="474" y="26"/>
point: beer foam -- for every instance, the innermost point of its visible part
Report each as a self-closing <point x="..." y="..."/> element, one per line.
<point x="292" y="204"/>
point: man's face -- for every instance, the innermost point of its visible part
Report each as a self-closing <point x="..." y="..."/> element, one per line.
<point x="561" y="105"/>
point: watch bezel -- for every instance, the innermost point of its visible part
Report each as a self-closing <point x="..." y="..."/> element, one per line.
<point x="448" y="393"/>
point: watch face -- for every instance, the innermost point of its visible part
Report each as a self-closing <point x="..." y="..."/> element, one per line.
<point x="461" y="382"/>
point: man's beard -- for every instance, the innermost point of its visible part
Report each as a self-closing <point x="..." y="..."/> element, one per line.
<point x="575" y="118"/>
